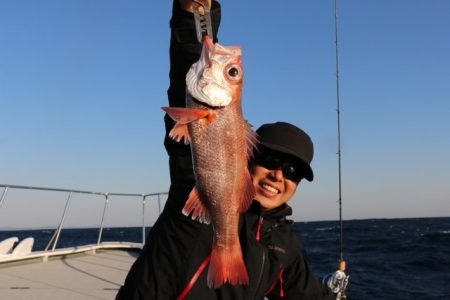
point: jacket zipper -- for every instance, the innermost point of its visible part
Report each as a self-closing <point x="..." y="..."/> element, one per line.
<point x="280" y="280"/>
<point x="258" y="237"/>
<point x="280" y="275"/>
<point x="258" y="230"/>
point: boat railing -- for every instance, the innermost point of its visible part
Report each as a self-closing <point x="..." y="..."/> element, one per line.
<point x="54" y="240"/>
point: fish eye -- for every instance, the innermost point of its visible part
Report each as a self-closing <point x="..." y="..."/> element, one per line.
<point x="233" y="72"/>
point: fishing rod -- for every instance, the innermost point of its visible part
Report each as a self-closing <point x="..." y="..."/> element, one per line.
<point x="338" y="113"/>
<point x="342" y="278"/>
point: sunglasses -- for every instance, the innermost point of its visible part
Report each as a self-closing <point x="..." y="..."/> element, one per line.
<point x="269" y="161"/>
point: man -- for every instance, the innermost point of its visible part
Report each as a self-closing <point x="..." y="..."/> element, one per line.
<point x="173" y="261"/>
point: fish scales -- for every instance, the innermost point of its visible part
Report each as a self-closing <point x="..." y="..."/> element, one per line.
<point x="220" y="158"/>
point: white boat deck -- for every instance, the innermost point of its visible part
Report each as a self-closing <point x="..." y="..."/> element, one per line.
<point x="93" y="271"/>
<point x="76" y="276"/>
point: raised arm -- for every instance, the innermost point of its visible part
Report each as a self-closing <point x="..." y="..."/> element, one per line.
<point x="184" y="51"/>
<point x="158" y="271"/>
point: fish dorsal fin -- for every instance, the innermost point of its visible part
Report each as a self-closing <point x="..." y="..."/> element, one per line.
<point x="194" y="206"/>
<point x="252" y="140"/>
<point x="249" y="189"/>
<point x="249" y="193"/>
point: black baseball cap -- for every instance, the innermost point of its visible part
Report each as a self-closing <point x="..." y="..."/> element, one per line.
<point x="289" y="139"/>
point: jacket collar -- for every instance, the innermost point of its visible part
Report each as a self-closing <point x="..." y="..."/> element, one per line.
<point x="276" y="213"/>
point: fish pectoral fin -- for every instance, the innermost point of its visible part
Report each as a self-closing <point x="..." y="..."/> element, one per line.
<point x="180" y="131"/>
<point x="196" y="208"/>
<point x="184" y="115"/>
<point x="248" y="195"/>
<point x="211" y="117"/>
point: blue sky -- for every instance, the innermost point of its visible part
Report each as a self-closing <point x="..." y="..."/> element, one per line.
<point x="82" y="83"/>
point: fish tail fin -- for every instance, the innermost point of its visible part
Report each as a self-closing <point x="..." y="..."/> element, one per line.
<point x="227" y="266"/>
<point x="248" y="195"/>
<point x="194" y="206"/>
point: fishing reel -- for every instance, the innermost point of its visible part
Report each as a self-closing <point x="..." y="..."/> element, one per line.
<point x="337" y="282"/>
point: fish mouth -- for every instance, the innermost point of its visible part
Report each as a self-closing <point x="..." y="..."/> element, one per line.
<point x="209" y="49"/>
<point x="205" y="80"/>
<point x="208" y="45"/>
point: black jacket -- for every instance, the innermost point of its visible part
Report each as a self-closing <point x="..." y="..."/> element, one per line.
<point x="177" y="246"/>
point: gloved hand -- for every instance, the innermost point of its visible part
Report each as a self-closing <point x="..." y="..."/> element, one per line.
<point x="337" y="282"/>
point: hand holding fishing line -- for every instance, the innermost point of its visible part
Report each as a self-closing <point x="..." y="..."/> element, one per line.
<point x="188" y="5"/>
<point x="202" y="16"/>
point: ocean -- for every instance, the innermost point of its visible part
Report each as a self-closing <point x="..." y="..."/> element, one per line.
<point x="386" y="258"/>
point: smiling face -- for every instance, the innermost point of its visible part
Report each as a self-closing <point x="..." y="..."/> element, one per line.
<point x="271" y="187"/>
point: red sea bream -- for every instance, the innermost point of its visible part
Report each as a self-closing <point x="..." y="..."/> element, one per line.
<point x="221" y="142"/>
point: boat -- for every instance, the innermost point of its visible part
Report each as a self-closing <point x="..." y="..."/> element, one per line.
<point x="81" y="271"/>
